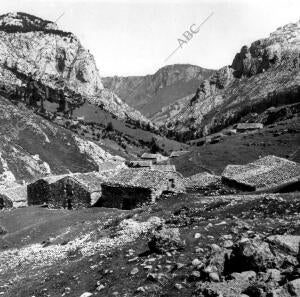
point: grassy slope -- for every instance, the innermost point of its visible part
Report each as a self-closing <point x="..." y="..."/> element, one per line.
<point x="95" y="114"/>
<point x="37" y="224"/>
<point x="243" y="148"/>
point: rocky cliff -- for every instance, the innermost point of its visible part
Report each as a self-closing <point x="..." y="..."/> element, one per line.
<point x="32" y="47"/>
<point x="262" y="75"/>
<point x="150" y="93"/>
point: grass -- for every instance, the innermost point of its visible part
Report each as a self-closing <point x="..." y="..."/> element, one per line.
<point x="243" y="148"/>
<point x="37" y="224"/>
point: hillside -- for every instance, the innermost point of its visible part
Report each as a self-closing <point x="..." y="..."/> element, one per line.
<point x="280" y="137"/>
<point x="31" y="146"/>
<point x="261" y="76"/>
<point x="150" y="93"/>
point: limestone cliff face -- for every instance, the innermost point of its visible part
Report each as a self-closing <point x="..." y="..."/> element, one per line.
<point x="30" y="46"/>
<point x="151" y="93"/>
<point x="262" y="75"/>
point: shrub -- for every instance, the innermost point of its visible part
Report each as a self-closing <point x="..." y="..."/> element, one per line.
<point x="2" y="230"/>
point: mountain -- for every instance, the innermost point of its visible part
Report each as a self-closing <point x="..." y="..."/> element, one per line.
<point x="150" y="93"/>
<point x="74" y="123"/>
<point x="261" y="76"/>
<point x="36" y="48"/>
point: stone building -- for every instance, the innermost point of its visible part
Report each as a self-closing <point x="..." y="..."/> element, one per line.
<point x="154" y="158"/>
<point x="140" y="164"/>
<point x="132" y="187"/>
<point x="176" y="154"/>
<point x="244" y="127"/>
<point x="267" y="174"/>
<point x="166" y="167"/>
<point x="13" y="197"/>
<point x="38" y="191"/>
<point x="76" y="191"/>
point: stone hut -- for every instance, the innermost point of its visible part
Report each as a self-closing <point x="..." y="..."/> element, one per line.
<point x="13" y="197"/>
<point x="76" y="191"/>
<point x="268" y="174"/>
<point x="166" y="168"/>
<point x="176" y="154"/>
<point x="243" y="127"/>
<point x="132" y="187"/>
<point x="155" y="158"/>
<point x="139" y="164"/>
<point x="38" y="191"/>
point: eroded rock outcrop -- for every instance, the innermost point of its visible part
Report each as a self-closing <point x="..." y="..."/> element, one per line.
<point x="31" y="47"/>
<point x="263" y="75"/>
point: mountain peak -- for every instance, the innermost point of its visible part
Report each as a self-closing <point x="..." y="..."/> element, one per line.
<point x="19" y="21"/>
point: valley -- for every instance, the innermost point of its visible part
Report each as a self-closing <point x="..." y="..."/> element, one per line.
<point x="185" y="182"/>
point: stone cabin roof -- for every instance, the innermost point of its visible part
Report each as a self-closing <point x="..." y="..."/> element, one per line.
<point x="91" y="181"/>
<point x="17" y="195"/>
<point x="142" y="178"/>
<point x="110" y="166"/>
<point x="52" y="178"/>
<point x="150" y="156"/>
<point x="201" y="180"/>
<point x="178" y="153"/>
<point x="140" y="163"/>
<point x="171" y="168"/>
<point x="267" y="173"/>
<point x="249" y="126"/>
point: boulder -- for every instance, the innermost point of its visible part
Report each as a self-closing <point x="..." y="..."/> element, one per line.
<point x="245" y="275"/>
<point x="289" y="243"/>
<point x="251" y="254"/>
<point x="165" y="240"/>
<point x="291" y="289"/>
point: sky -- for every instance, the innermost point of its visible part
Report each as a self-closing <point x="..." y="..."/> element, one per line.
<point x="131" y="37"/>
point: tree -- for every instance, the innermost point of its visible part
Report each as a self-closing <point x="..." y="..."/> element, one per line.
<point x="109" y="126"/>
<point x="154" y="148"/>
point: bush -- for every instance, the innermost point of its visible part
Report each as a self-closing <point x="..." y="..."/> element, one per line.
<point x="109" y="127"/>
<point x="2" y="230"/>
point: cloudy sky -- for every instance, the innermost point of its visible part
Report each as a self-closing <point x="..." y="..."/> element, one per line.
<point x="135" y="37"/>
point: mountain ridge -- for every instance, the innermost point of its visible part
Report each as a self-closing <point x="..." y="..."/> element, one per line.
<point x="152" y="92"/>
<point x="263" y="75"/>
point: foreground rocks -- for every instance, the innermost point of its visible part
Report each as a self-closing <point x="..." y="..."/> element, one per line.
<point x="229" y="246"/>
<point x="252" y="267"/>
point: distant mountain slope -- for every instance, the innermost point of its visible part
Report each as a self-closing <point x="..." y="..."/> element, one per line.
<point x="263" y="75"/>
<point x="32" y="47"/>
<point x="31" y="146"/>
<point x="150" y="93"/>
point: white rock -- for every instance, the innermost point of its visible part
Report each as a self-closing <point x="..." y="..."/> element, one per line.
<point x="86" y="294"/>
